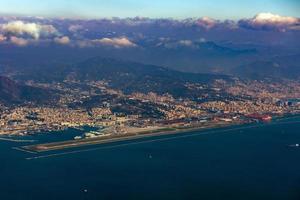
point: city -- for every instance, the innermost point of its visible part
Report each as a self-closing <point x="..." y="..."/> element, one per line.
<point x="117" y="111"/>
<point x="150" y="100"/>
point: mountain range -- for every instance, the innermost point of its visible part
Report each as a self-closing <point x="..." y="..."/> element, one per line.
<point x="14" y="93"/>
<point x="129" y="77"/>
<point x="122" y="75"/>
<point x="286" y="67"/>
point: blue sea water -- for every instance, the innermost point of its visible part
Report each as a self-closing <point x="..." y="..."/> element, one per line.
<point x="248" y="162"/>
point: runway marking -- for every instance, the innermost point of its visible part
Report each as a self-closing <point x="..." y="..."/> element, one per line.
<point x="156" y="140"/>
<point x="20" y="149"/>
<point x="15" y="140"/>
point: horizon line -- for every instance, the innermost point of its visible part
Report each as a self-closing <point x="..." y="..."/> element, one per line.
<point x="81" y="17"/>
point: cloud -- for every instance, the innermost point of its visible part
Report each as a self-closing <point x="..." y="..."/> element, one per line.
<point x="174" y="44"/>
<point x="180" y="44"/>
<point x="2" y="38"/>
<point x="269" y="18"/>
<point x="18" y="41"/>
<point x="84" y="43"/>
<point x="34" y="30"/>
<point x="185" y="42"/>
<point x="115" y="42"/>
<point x="75" y="28"/>
<point x="269" y="21"/>
<point x="206" y="22"/>
<point x="62" y="40"/>
<point x="202" y="40"/>
<point x="145" y="32"/>
<point x="121" y="42"/>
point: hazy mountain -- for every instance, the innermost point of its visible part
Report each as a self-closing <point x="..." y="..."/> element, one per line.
<point x="278" y="67"/>
<point x="124" y="75"/>
<point x="9" y="90"/>
<point x="132" y="76"/>
<point x="201" y="57"/>
<point x="14" y="93"/>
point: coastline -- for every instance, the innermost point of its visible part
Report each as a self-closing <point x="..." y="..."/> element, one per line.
<point x="164" y="131"/>
<point x="194" y="149"/>
<point x="39" y="148"/>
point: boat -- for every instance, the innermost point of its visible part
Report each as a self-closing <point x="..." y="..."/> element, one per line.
<point x="294" y="145"/>
<point x="77" y="137"/>
<point x="94" y="134"/>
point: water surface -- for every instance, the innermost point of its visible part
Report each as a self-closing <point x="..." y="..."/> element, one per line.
<point x="240" y="163"/>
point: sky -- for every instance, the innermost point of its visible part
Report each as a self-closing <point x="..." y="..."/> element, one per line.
<point x="218" y="9"/>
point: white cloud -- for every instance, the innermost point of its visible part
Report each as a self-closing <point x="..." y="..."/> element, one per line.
<point x="18" y="41"/>
<point x="121" y="42"/>
<point x="201" y="40"/>
<point x="75" y="28"/>
<point x="174" y="44"/>
<point x="269" y="18"/>
<point x="115" y="42"/>
<point x="269" y="21"/>
<point x="62" y="40"/>
<point x="185" y="42"/>
<point x="2" y="38"/>
<point x="206" y="22"/>
<point x="19" y="28"/>
<point x="84" y="43"/>
<point x="177" y="44"/>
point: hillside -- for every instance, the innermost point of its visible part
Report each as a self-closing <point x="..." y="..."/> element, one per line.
<point x="14" y="93"/>
<point x="123" y="75"/>
<point x="279" y="67"/>
<point x="136" y="77"/>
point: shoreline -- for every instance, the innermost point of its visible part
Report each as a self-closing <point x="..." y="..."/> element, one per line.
<point x="118" y="138"/>
<point x="51" y="146"/>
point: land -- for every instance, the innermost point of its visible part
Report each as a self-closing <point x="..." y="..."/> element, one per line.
<point x="122" y="99"/>
<point x="137" y="134"/>
<point x="102" y="106"/>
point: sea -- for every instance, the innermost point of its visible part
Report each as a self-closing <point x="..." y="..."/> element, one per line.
<point x="254" y="161"/>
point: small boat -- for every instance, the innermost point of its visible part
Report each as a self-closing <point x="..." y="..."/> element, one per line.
<point x="77" y="138"/>
<point x="294" y="145"/>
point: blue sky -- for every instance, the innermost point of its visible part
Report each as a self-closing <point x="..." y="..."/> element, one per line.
<point x="220" y="9"/>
